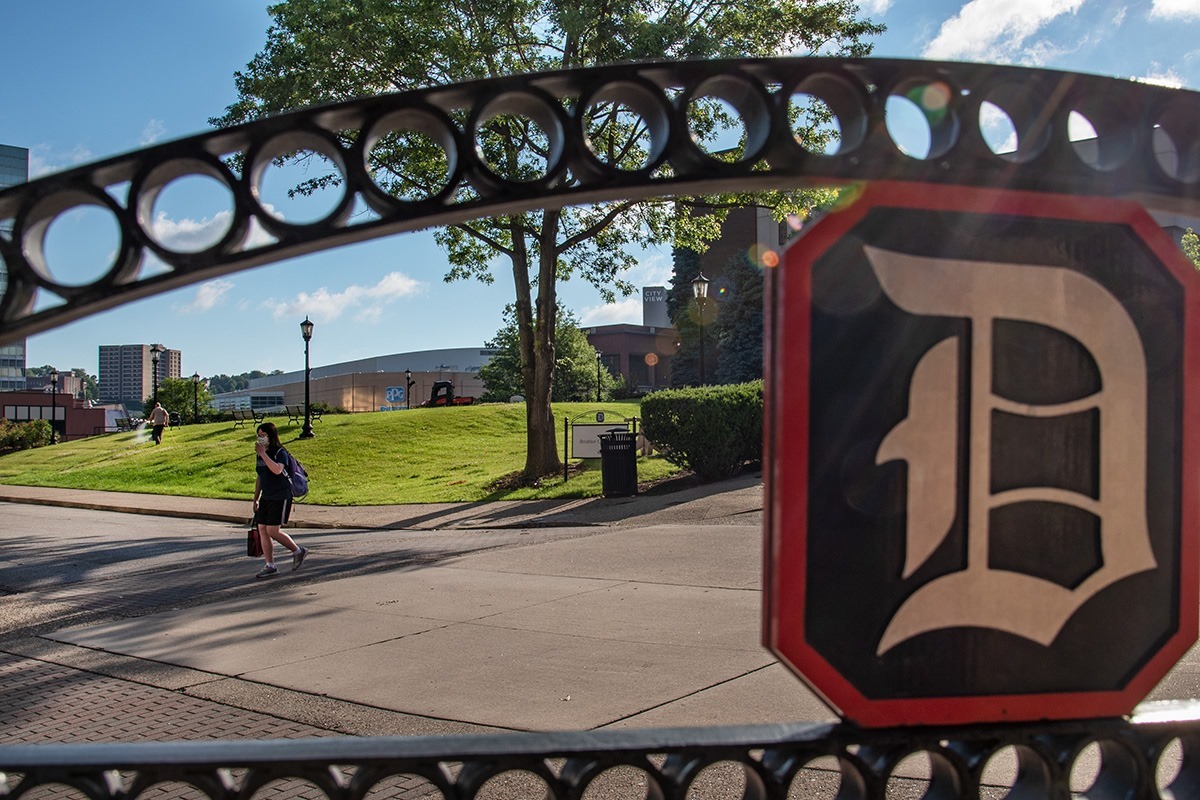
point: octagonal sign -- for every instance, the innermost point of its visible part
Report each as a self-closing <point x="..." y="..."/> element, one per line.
<point x="981" y="456"/>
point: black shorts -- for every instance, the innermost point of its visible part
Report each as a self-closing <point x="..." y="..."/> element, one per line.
<point x="273" y="511"/>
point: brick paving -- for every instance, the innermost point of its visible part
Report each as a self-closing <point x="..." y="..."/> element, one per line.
<point x="42" y="703"/>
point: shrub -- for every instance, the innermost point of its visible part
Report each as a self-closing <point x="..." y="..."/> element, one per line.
<point x="324" y="408"/>
<point x="23" y="435"/>
<point x="711" y="430"/>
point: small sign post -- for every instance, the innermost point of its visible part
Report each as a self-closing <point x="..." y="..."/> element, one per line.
<point x="582" y="439"/>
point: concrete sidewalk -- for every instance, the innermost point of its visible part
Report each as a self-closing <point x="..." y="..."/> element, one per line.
<point x="736" y="497"/>
<point x="643" y="612"/>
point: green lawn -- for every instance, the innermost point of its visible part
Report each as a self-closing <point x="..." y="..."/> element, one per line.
<point x="418" y="456"/>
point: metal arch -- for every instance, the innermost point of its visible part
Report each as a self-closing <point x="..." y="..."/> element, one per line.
<point x="1131" y="121"/>
<point x="775" y="762"/>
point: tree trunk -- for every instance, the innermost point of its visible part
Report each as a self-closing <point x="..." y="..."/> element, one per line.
<point x="535" y="332"/>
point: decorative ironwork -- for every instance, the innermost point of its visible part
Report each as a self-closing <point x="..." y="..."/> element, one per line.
<point x="1151" y="757"/>
<point x="1147" y="146"/>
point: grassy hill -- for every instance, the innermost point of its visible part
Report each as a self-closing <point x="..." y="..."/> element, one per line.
<point x="458" y="454"/>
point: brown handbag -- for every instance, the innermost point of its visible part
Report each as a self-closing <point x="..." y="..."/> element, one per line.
<point x="253" y="543"/>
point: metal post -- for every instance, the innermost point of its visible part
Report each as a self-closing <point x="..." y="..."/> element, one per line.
<point x="700" y="290"/>
<point x="408" y="384"/>
<point x="155" y="354"/>
<point x="53" y="405"/>
<point x="195" y="397"/>
<point x="566" y="444"/>
<point x="598" y="354"/>
<point x="306" y="330"/>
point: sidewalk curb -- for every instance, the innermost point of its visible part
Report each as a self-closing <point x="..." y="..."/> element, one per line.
<point x="302" y="524"/>
<point x="212" y="516"/>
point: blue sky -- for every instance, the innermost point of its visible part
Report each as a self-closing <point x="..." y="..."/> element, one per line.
<point x="86" y="80"/>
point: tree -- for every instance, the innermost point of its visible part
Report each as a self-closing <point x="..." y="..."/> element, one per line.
<point x="575" y="366"/>
<point x="739" y="324"/>
<point x="1191" y="246"/>
<point x="219" y="384"/>
<point x="686" y="313"/>
<point x="321" y="51"/>
<point x="180" y="395"/>
<point x="91" y="389"/>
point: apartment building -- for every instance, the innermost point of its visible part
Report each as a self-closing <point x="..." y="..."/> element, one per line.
<point x="125" y="372"/>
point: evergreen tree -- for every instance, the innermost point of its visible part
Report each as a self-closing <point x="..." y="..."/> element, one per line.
<point x="687" y="313"/>
<point x="739" y="325"/>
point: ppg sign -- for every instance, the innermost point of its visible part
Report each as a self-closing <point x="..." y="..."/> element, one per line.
<point x="983" y="491"/>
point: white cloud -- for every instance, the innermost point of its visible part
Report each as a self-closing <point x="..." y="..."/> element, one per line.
<point x="1119" y="16"/>
<point x="653" y="269"/>
<point x="997" y="129"/>
<point x="997" y="30"/>
<point x="1175" y="9"/>
<point x="325" y="305"/>
<point x="208" y="296"/>
<point x="1162" y="77"/>
<point x="627" y="311"/>
<point x="874" y="6"/>
<point x="193" y="235"/>
<point x="154" y="130"/>
<point x="190" y="235"/>
<point x="44" y="160"/>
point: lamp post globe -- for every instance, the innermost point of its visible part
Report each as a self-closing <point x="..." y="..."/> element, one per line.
<point x="53" y="405"/>
<point x="306" y="330"/>
<point x="700" y="292"/>
<point x="195" y="397"/>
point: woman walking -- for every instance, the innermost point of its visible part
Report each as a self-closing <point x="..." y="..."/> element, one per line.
<point x="273" y="499"/>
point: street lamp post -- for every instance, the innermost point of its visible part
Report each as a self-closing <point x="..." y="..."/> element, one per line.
<point x="408" y="384"/>
<point x="195" y="397"/>
<point x="598" y="357"/>
<point x="155" y="354"/>
<point x="306" y="329"/>
<point x="53" y="405"/>
<point x="700" y="291"/>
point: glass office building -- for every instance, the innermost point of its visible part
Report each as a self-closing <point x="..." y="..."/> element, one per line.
<point x="14" y="169"/>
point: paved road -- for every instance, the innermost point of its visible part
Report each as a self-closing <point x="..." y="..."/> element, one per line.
<point x="117" y="627"/>
<point x="65" y="564"/>
<point x="71" y="568"/>
<point x="605" y="625"/>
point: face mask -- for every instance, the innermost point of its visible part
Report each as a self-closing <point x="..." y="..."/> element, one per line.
<point x="262" y="440"/>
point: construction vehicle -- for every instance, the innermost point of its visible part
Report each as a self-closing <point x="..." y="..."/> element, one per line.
<point x="443" y="395"/>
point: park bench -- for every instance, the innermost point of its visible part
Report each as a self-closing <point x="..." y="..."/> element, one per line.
<point x="123" y="424"/>
<point x="241" y="416"/>
<point x="296" y="413"/>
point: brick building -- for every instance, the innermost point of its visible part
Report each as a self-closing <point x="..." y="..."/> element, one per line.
<point x="72" y="418"/>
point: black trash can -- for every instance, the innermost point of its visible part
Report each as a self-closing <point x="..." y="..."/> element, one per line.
<point x="618" y="463"/>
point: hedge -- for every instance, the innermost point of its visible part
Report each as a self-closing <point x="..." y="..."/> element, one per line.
<point x="711" y="430"/>
<point x="23" y="435"/>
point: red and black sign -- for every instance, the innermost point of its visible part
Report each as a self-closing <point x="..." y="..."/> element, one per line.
<point x="982" y="488"/>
